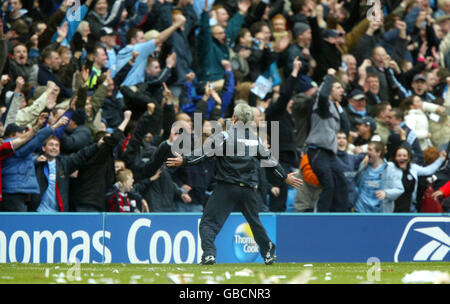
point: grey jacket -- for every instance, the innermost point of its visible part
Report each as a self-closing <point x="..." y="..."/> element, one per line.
<point x="325" y="119"/>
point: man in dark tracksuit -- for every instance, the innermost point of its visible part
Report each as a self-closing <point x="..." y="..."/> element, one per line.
<point x="322" y="146"/>
<point x="236" y="173"/>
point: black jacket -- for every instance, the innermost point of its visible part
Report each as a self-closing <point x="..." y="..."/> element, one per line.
<point x="75" y="139"/>
<point x="96" y="175"/>
<point x="277" y="112"/>
<point x="161" y="193"/>
<point x="235" y="169"/>
<point x="325" y="53"/>
<point x="45" y="74"/>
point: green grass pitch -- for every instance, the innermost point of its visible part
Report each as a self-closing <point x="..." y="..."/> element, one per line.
<point x="280" y="273"/>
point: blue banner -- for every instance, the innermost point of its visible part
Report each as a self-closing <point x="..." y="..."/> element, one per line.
<point x="357" y="238"/>
<point x="173" y="238"/>
<point x="33" y="238"/>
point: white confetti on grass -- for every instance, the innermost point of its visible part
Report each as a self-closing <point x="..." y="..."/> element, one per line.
<point x="426" y="276"/>
<point x="244" y="273"/>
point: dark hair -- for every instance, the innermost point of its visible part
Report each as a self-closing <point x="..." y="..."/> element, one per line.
<point x="377" y="109"/>
<point x="99" y="135"/>
<point x="398" y="113"/>
<point x="47" y="52"/>
<point x="20" y="27"/>
<point x="297" y="5"/>
<point x="369" y="75"/>
<point x="406" y="103"/>
<point x="392" y="158"/>
<point x="132" y="33"/>
<point x="20" y="44"/>
<point x="257" y="27"/>
<point x="439" y="101"/>
<point x="241" y="34"/>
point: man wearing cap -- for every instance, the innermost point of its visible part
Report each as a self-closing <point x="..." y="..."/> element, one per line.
<point x="7" y="148"/>
<point x="18" y="171"/>
<point x="108" y="41"/>
<point x="366" y="127"/>
<point x="302" y="35"/>
<point x="420" y="88"/>
<point x="356" y="107"/>
<point x="324" y="49"/>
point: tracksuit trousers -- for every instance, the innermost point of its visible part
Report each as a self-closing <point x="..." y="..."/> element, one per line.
<point x="219" y="206"/>
<point x="334" y="194"/>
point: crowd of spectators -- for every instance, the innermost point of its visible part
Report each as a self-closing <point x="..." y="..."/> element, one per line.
<point x="90" y="91"/>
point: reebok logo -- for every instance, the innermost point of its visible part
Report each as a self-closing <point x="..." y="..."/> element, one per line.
<point x="424" y="239"/>
<point x="436" y="249"/>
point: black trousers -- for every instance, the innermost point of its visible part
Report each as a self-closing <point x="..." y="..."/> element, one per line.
<point x="334" y="194"/>
<point x="14" y="203"/>
<point x="219" y="206"/>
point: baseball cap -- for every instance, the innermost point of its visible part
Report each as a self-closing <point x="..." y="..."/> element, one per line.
<point x="331" y="33"/>
<point x="305" y="83"/>
<point x="300" y="28"/>
<point x="419" y="77"/>
<point x="106" y="31"/>
<point x="13" y="128"/>
<point x="367" y="120"/>
<point x="357" y="95"/>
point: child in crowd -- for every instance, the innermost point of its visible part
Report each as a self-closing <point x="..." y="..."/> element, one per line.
<point x="119" y="200"/>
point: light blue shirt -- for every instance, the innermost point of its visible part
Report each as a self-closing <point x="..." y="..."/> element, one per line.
<point x="48" y="201"/>
<point x="199" y="6"/>
<point x="370" y="183"/>
<point x="111" y="63"/>
<point x="137" y="72"/>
